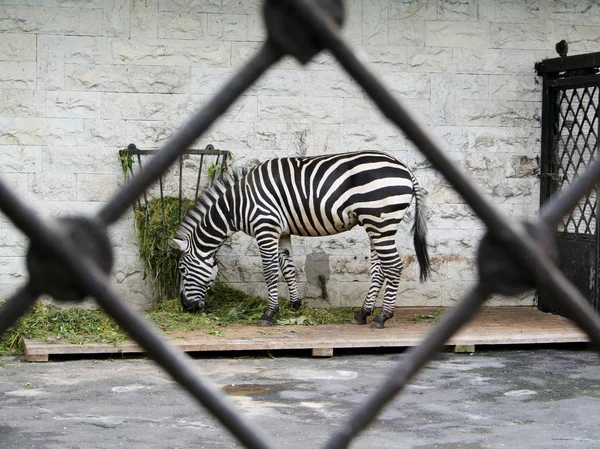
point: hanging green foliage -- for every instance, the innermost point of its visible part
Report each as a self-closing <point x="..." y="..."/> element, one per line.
<point x="155" y="225"/>
<point x="215" y="171"/>
<point x="126" y="163"/>
<point x="156" y="222"/>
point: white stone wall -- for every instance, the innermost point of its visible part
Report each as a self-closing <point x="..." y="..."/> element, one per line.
<point x="79" y="80"/>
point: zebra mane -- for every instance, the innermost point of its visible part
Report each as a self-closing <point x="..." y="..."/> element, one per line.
<point x="209" y="196"/>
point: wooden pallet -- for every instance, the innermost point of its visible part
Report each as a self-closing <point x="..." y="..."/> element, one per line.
<point x="492" y="326"/>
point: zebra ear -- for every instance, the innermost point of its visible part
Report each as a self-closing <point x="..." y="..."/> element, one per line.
<point x="179" y="244"/>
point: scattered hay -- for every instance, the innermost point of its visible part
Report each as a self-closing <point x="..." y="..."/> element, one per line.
<point x="225" y="306"/>
<point x="228" y="306"/>
<point x="432" y="317"/>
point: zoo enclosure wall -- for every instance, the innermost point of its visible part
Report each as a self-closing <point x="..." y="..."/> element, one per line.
<point x="81" y="83"/>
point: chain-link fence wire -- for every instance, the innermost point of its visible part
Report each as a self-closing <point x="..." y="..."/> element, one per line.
<point x="70" y="258"/>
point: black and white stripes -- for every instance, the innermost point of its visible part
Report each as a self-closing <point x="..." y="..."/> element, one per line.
<point x="306" y="196"/>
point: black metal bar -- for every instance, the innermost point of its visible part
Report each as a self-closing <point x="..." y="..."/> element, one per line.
<point x="139" y="200"/>
<point x="211" y="178"/>
<point x="258" y="64"/>
<point x="187" y="151"/>
<point x="416" y="358"/>
<point x="139" y="158"/>
<point x="180" y="206"/>
<point x="220" y="167"/>
<point x="17" y="306"/>
<point x="199" y="177"/>
<point x="575" y="62"/>
<point x="162" y="204"/>
<point x="573" y="82"/>
<point x="224" y="163"/>
<point x="546" y="168"/>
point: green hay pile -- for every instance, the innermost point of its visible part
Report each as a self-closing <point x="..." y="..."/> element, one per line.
<point x="225" y="307"/>
<point x="153" y="237"/>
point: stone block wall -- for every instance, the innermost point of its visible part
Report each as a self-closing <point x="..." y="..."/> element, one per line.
<point x="81" y="79"/>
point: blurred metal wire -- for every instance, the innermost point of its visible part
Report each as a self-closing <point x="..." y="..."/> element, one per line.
<point x="513" y="256"/>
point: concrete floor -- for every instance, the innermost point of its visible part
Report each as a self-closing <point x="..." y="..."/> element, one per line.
<point x="540" y="398"/>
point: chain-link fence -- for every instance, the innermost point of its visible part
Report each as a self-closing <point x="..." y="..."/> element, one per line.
<point x="71" y="258"/>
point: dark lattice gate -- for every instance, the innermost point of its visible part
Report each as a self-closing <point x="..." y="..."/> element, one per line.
<point x="570" y="128"/>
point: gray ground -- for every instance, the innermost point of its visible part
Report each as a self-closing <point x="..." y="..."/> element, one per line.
<point x="499" y="399"/>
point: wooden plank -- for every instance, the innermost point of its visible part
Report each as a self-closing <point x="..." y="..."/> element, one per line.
<point x="36" y="351"/>
<point x="492" y="326"/>
<point x="33" y="354"/>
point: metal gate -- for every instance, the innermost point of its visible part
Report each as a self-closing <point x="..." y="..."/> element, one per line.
<point x="71" y="259"/>
<point x="570" y="128"/>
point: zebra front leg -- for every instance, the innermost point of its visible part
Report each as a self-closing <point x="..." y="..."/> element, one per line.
<point x="268" y="248"/>
<point x="366" y="310"/>
<point x="288" y="269"/>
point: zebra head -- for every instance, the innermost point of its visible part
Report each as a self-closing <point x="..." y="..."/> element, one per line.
<point x="197" y="274"/>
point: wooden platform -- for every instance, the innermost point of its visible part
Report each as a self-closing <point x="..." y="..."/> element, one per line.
<point x="492" y="326"/>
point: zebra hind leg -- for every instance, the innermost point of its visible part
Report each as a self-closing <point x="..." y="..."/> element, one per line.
<point x="391" y="270"/>
<point x="366" y="310"/>
<point x="288" y="269"/>
<point x="384" y="247"/>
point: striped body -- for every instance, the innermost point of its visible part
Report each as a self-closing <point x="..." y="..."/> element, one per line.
<point x="306" y="196"/>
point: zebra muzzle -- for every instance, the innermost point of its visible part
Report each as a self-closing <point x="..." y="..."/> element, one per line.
<point x="191" y="306"/>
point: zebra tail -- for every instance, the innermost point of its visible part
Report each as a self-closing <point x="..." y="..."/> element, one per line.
<point x="419" y="230"/>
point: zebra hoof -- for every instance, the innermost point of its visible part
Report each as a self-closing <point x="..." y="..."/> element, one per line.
<point x="296" y="305"/>
<point x="360" y="317"/>
<point x="378" y="322"/>
<point x="265" y="323"/>
<point x="266" y="319"/>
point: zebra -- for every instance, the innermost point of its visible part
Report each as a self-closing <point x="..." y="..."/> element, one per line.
<point x="304" y="196"/>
